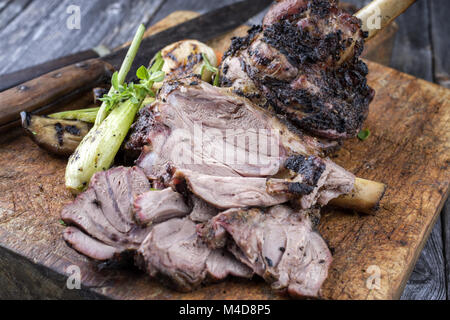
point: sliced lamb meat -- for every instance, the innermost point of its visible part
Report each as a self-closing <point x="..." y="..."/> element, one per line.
<point x="230" y="192"/>
<point x="306" y="181"/>
<point x="280" y="245"/>
<point x="89" y="246"/>
<point x="202" y="133"/>
<point x="104" y="214"/>
<point x="201" y="210"/>
<point x="210" y="130"/>
<point x="206" y="124"/>
<point x="159" y="205"/>
<point x="172" y="250"/>
<point x="304" y="62"/>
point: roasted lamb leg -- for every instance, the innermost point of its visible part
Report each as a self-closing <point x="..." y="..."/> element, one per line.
<point x="303" y="63"/>
<point x="203" y="131"/>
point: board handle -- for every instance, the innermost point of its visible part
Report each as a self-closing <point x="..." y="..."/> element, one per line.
<point x="52" y="89"/>
<point x="7" y="81"/>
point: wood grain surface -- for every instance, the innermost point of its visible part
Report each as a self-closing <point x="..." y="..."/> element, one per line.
<point x="408" y="150"/>
<point x="48" y="90"/>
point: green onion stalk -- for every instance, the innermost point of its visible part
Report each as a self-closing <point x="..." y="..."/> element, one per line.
<point x="119" y="78"/>
<point x="88" y="115"/>
<point x="113" y="120"/>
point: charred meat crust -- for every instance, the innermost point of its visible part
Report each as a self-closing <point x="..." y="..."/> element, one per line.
<point x="310" y="168"/>
<point x="329" y="97"/>
<point x="242" y="43"/>
<point x="139" y="132"/>
<point x="139" y="136"/>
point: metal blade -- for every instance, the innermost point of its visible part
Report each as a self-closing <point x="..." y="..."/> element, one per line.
<point x="203" y="28"/>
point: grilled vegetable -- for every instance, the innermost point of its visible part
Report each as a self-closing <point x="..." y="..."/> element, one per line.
<point x="184" y="58"/>
<point x="60" y="137"/>
<point x="86" y="115"/>
<point x="98" y="149"/>
<point x="118" y="78"/>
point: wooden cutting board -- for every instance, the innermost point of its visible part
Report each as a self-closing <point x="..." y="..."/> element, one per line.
<point x="408" y="150"/>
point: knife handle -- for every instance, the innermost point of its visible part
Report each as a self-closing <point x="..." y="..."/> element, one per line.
<point x="7" y="81"/>
<point x="52" y="89"/>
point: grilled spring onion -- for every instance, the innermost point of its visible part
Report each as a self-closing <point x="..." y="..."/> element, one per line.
<point x="87" y="115"/>
<point x="119" y="78"/>
<point x="98" y="149"/>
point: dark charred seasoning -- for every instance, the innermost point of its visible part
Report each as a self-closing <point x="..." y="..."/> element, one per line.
<point x="329" y="97"/>
<point x="139" y="132"/>
<point x="300" y="46"/>
<point x="59" y="129"/>
<point x="242" y="43"/>
<point x="310" y="168"/>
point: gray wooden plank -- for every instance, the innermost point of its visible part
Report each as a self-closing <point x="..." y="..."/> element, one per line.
<point x="412" y="52"/>
<point x="9" y="10"/>
<point x="200" y="6"/>
<point x="428" y="280"/>
<point x="440" y="13"/>
<point x="41" y="32"/>
<point x="446" y="234"/>
<point x="3" y="4"/>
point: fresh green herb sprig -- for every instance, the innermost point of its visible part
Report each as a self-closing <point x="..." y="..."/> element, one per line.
<point x="214" y="70"/>
<point x="136" y="92"/>
<point x="118" y="79"/>
<point x="364" y="134"/>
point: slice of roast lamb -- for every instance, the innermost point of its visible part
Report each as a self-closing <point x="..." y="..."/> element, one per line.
<point x="229" y="192"/>
<point x="201" y="210"/>
<point x="102" y="217"/>
<point x="306" y="181"/>
<point x="159" y="205"/>
<point x="279" y="244"/>
<point x="172" y="251"/>
<point x="212" y="131"/>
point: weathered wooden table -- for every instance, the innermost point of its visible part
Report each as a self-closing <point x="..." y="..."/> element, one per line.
<point x="34" y="31"/>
